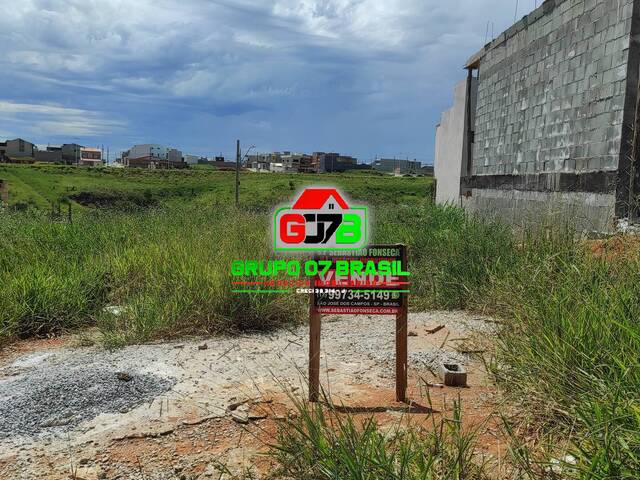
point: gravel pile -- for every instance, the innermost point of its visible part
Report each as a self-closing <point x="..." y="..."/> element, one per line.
<point x="52" y="399"/>
<point x="430" y="358"/>
<point x="376" y="340"/>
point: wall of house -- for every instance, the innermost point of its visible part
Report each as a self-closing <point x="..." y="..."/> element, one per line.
<point x="149" y="150"/>
<point x="19" y="148"/>
<point x="550" y="112"/>
<point x="452" y="144"/>
<point x="49" y="156"/>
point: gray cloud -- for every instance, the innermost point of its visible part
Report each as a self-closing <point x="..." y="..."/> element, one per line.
<point x="363" y="76"/>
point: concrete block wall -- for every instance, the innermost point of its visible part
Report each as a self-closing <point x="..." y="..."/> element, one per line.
<point x="551" y="97"/>
<point x="551" y="102"/>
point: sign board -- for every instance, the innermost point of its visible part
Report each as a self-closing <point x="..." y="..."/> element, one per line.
<point x="363" y="293"/>
<point x="360" y="291"/>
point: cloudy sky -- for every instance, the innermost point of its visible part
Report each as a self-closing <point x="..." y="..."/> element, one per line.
<point x="362" y="77"/>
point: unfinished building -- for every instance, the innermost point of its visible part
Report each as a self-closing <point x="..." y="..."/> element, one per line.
<point x="545" y="124"/>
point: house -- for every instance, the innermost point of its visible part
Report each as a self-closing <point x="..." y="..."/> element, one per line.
<point x="71" y="153"/>
<point x="262" y="162"/>
<point x="153" y="156"/>
<point x="91" y="157"/>
<point x="259" y="162"/>
<point x="194" y="159"/>
<point x="277" y="167"/>
<point x="18" y="148"/>
<point x="334" y="162"/>
<point x="295" y="162"/>
<point x="50" y="155"/>
<point x="174" y="156"/>
<point x="397" y="166"/>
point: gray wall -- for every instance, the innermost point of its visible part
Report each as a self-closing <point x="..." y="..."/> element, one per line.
<point x="452" y="144"/>
<point x="583" y="211"/>
<point x="551" y="97"/>
<point x="13" y="148"/>
<point x="551" y="103"/>
<point x="49" y="156"/>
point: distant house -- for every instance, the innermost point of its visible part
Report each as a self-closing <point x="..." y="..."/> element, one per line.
<point x="174" y="156"/>
<point x="397" y="166"/>
<point x="334" y="162"/>
<point x="91" y="157"/>
<point x="427" y="170"/>
<point x="18" y="148"/>
<point x="277" y="167"/>
<point x="153" y="156"/>
<point x="194" y="159"/>
<point x="259" y="162"/>
<point x="50" y="155"/>
<point x="262" y="161"/>
<point x="296" y="162"/>
<point x="71" y="153"/>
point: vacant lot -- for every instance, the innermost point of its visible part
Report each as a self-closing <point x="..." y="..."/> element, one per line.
<point x="41" y="185"/>
<point x="147" y="258"/>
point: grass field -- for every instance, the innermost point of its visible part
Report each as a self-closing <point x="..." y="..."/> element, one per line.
<point x="41" y="185"/>
<point x="157" y="244"/>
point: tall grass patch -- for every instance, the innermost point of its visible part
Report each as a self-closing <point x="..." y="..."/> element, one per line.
<point x="570" y="352"/>
<point x="453" y="258"/>
<point x="321" y="443"/>
<point x="162" y="272"/>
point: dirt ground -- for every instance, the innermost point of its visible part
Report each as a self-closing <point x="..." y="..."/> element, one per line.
<point x="230" y="394"/>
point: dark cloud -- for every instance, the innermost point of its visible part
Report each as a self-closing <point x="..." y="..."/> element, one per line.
<point x="364" y="77"/>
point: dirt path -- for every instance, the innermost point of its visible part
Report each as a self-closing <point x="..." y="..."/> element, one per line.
<point x="165" y="411"/>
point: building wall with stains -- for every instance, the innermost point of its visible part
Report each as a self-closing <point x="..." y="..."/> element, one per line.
<point x="554" y="97"/>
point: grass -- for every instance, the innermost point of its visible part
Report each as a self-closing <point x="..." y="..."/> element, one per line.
<point x="155" y="244"/>
<point x="319" y="443"/>
<point x="41" y="185"/>
<point x="168" y="270"/>
<point x="569" y="352"/>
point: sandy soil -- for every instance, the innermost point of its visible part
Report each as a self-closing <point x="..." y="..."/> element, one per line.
<point x="229" y="394"/>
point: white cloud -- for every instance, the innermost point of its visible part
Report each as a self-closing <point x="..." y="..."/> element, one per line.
<point x="55" y="120"/>
<point x="377" y="70"/>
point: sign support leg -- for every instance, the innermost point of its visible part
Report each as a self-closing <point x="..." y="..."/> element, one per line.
<point x="402" y="335"/>
<point x="401" y="356"/>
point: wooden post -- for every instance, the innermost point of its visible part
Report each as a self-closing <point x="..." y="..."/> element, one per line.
<point x="401" y="343"/>
<point x="314" y="348"/>
<point x="237" y="173"/>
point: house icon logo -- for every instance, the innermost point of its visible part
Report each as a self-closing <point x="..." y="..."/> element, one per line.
<point x="320" y="220"/>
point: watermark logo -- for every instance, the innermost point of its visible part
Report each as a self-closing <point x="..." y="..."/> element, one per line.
<point x="321" y="220"/>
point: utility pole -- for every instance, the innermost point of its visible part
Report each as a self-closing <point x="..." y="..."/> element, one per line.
<point x="237" y="173"/>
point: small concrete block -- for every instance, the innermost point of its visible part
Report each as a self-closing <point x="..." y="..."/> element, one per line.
<point x="453" y="375"/>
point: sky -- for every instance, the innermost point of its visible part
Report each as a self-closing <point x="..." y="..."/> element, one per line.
<point x="367" y="78"/>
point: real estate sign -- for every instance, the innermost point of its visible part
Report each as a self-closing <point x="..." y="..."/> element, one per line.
<point x="372" y="282"/>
